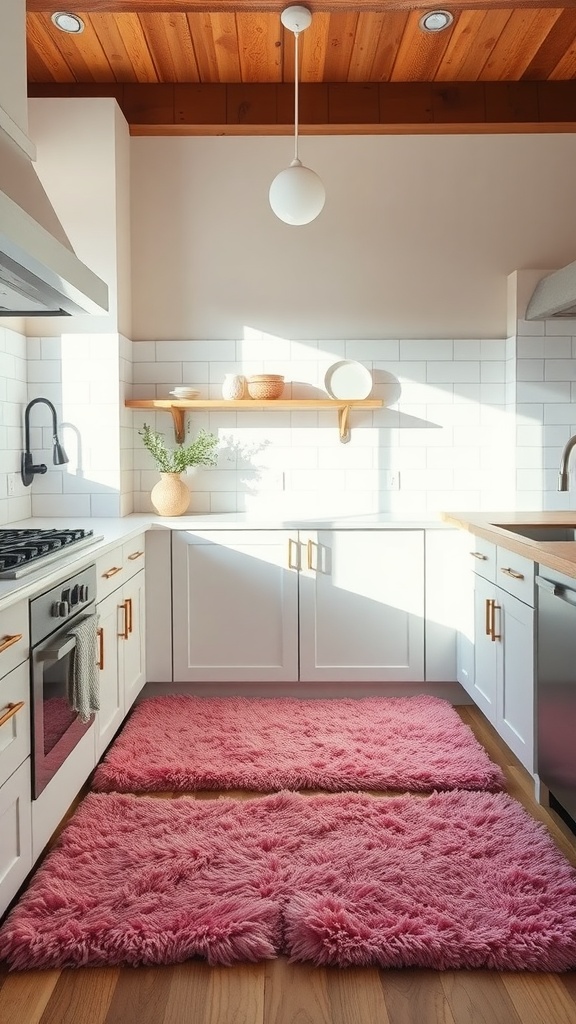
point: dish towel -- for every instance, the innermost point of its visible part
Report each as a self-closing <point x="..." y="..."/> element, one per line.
<point x="83" y="675"/>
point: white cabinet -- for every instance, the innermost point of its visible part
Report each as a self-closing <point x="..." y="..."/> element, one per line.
<point x="235" y="605"/>
<point x="278" y="606"/>
<point x="15" y="782"/>
<point x="121" y="636"/>
<point x="362" y="605"/>
<point x="500" y="678"/>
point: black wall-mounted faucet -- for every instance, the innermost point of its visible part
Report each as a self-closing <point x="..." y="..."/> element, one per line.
<point x="28" y="469"/>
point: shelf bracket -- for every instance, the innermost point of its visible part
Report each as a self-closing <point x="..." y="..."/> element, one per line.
<point x="344" y="423"/>
<point x="179" y="425"/>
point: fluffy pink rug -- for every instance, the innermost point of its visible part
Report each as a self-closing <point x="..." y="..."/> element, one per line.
<point x="450" y="880"/>
<point x="189" y="743"/>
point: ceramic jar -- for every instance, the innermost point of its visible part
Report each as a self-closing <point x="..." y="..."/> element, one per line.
<point x="234" y="387"/>
<point x="170" y="496"/>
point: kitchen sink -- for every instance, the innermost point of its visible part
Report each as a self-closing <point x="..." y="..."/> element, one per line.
<point x="542" y="533"/>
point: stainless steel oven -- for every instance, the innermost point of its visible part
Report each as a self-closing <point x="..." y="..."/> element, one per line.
<point x="56" y="727"/>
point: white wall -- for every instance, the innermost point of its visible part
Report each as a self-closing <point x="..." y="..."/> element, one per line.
<point x="12" y="403"/>
<point x="416" y="240"/>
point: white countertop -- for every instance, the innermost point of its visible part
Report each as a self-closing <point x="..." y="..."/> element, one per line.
<point x="118" y="531"/>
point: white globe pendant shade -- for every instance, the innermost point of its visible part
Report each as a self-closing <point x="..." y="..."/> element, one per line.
<point x="297" y="194"/>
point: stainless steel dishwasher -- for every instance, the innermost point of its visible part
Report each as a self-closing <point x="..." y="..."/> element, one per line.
<point x="556" y="688"/>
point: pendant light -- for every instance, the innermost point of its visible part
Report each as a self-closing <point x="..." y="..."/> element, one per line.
<point x="297" y="194"/>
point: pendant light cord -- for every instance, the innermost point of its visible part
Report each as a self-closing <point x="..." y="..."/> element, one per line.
<point x="296" y="34"/>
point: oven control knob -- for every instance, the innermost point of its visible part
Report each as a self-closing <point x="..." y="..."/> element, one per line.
<point x="83" y="592"/>
<point x="60" y="609"/>
<point x="75" y="595"/>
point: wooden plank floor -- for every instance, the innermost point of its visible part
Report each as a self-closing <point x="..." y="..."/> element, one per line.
<point x="278" y="992"/>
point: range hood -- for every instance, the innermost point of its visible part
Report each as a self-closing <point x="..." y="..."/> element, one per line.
<point x="40" y="275"/>
<point x="554" y="296"/>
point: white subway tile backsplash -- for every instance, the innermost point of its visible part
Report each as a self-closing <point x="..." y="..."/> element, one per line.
<point x="530" y="369"/>
<point x="464" y="371"/>
<point x="560" y="369"/>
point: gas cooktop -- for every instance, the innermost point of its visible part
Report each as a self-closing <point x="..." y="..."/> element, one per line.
<point x="24" y="551"/>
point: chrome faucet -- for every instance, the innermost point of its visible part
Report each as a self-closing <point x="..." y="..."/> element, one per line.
<point x="59" y="457"/>
<point x="563" y="474"/>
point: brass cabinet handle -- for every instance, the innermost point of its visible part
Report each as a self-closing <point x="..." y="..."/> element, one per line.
<point x="9" y="641"/>
<point x="291" y="543"/>
<point x="491" y="613"/>
<point x="11" y="711"/>
<point x="478" y="554"/>
<point x="488" y="621"/>
<point x="125" y="633"/>
<point x="100" y="635"/>
<point x="112" y="571"/>
<point x="512" y="572"/>
<point x="310" y="550"/>
<point x="135" y="554"/>
<point x="129" y="613"/>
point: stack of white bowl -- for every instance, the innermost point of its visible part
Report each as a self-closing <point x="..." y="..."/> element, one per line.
<point x="183" y="392"/>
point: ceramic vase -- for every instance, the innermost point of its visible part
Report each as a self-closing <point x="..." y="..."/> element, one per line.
<point x="234" y="387"/>
<point x="170" y="496"/>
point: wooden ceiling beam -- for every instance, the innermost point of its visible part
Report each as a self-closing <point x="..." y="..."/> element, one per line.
<point x="271" y="6"/>
<point x="337" y="109"/>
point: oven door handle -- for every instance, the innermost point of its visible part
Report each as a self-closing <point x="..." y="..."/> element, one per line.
<point x="56" y="653"/>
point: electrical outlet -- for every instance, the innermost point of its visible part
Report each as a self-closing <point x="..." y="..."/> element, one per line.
<point x="392" y="480"/>
<point x="11" y="484"/>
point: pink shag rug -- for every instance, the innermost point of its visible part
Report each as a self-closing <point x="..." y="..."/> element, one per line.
<point x="446" y="881"/>
<point x="190" y="743"/>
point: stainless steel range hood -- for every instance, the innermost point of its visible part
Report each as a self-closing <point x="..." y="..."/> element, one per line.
<point x="554" y="296"/>
<point x="40" y="275"/>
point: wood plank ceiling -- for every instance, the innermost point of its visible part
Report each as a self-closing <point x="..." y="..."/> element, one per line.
<point x="188" y="67"/>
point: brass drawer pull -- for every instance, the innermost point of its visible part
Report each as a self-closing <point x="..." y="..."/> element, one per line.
<point x="9" y="641"/>
<point x="129" y="612"/>
<point x="112" y="571"/>
<point x="512" y="572"/>
<point x="488" y="621"/>
<point x="491" y="607"/>
<point x="12" y="709"/>
<point x="100" y="635"/>
<point x="135" y="554"/>
<point x="478" y="554"/>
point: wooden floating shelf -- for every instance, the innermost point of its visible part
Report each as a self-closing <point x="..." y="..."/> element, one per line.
<point x="179" y="407"/>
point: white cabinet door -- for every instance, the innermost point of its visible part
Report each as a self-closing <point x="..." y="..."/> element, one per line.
<point x="235" y="606"/>
<point x="111" y="714"/>
<point x="362" y="605"/>
<point x="15" y="833"/>
<point x="487" y="619"/>
<point x="515" y="705"/>
<point x="133" y="639"/>
<point x="121" y="655"/>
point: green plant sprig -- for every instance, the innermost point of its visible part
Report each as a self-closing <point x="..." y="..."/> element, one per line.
<point x="200" y="452"/>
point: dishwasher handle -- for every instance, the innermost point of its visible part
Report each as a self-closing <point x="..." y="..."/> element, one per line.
<point x="556" y="589"/>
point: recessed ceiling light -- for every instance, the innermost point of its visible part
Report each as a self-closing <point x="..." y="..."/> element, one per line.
<point x="68" y="22"/>
<point x="435" y="21"/>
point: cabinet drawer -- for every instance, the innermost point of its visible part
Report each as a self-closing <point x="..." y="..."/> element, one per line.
<point x="15" y="733"/>
<point x="15" y="833"/>
<point x="515" y="575"/>
<point x="133" y="556"/>
<point x="482" y="557"/>
<point x="110" y="572"/>
<point x="14" y="637"/>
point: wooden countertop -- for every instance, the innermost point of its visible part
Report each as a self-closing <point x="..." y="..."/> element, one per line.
<point x="560" y="555"/>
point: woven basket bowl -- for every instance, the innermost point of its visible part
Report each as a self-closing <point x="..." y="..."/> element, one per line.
<point x="264" y="387"/>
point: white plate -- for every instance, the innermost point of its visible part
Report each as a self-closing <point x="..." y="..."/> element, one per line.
<point x="348" y="379"/>
<point x="186" y="393"/>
